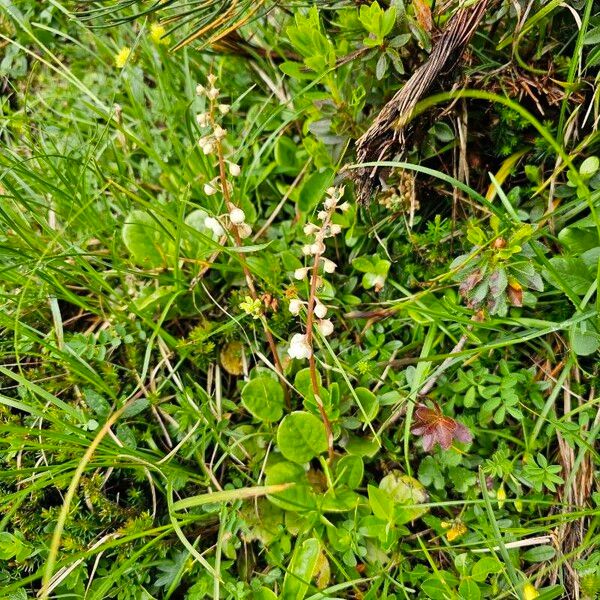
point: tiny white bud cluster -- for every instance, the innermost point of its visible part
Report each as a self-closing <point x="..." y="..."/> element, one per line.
<point x="300" y="346"/>
<point x="205" y="120"/>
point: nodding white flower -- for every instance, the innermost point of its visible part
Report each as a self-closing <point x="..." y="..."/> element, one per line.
<point x="203" y="119"/>
<point x="210" y="188"/>
<point x="299" y="347"/>
<point x="237" y="216"/>
<point x="300" y="273"/>
<point x="320" y="310"/>
<point x="212" y="79"/>
<point x="328" y="265"/>
<point x="307" y="249"/>
<point x="344" y="207"/>
<point x="224" y="108"/>
<point x="335" y="228"/>
<point x="214" y="225"/>
<point x="200" y="89"/>
<point x="213" y="93"/>
<point x="322" y="214"/>
<point x="219" y="132"/>
<point x="244" y="230"/>
<point x="330" y="203"/>
<point x="331" y="191"/>
<point x="206" y="144"/>
<point x="325" y="327"/>
<point x="295" y="306"/>
<point x="311" y="228"/>
<point x="317" y="248"/>
<point x="234" y="169"/>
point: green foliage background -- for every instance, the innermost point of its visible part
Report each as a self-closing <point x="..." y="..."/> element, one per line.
<point x="143" y="424"/>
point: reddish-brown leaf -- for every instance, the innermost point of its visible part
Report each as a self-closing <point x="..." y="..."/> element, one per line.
<point x="423" y="14"/>
<point x="515" y="294"/>
<point x="470" y="282"/>
<point x="436" y="428"/>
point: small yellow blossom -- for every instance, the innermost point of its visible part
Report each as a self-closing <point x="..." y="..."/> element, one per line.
<point x="251" y="307"/>
<point x="122" y="57"/>
<point x="501" y="496"/>
<point x="157" y="33"/>
<point x="530" y="592"/>
<point x="455" y="529"/>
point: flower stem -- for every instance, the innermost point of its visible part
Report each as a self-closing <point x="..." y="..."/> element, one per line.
<point x="309" y="339"/>
<point x="247" y="273"/>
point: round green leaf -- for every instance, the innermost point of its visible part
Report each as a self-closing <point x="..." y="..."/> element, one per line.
<point x="405" y="490"/>
<point x="301" y="436"/>
<point x="263" y="398"/>
<point x="145" y="239"/>
<point x="298" y="498"/>
<point x="589" y="166"/>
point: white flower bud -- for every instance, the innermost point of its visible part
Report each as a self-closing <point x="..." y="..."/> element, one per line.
<point x="331" y="191"/>
<point x="300" y="273"/>
<point x="214" y="225"/>
<point x="317" y="248"/>
<point x="299" y="348"/>
<point x="295" y="306"/>
<point x="330" y="203"/>
<point x="237" y="216"/>
<point x="328" y="265"/>
<point x="224" y="108"/>
<point x="335" y="229"/>
<point x="322" y="214"/>
<point x="200" y="89"/>
<point x="219" y="132"/>
<point x="203" y="119"/>
<point x="210" y="189"/>
<point x="234" y="169"/>
<point x="311" y="228"/>
<point x="306" y="250"/>
<point x="212" y="79"/>
<point x="213" y="93"/>
<point x="244" y="231"/>
<point x="206" y="145"/>
<point x="320" y="310"/>
<point x="344" y="207"/>
<point x="325" y="327"/>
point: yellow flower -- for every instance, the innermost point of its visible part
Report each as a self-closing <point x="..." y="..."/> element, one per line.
<point x="157" y="31"/>
<point x="501" y="496"/>
<point x="455" y="529"/>
<point x="530" y="592"/>
<point x="122" y="57"/>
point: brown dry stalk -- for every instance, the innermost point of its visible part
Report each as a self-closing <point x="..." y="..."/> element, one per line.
<point x="386" y="138"/>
